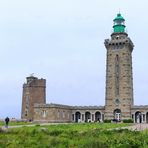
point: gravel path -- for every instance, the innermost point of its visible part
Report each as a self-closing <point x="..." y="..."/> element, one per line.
<point x="138" y="127"/>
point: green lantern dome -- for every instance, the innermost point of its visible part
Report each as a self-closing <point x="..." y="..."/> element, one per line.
<point x="119" y="24"/>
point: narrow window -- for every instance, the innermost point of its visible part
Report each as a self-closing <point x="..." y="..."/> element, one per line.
<point x="63" y="114"/>
<point x="116" y="75"/>
<point x="73" y="117"/>
<point x="44" y="113"/>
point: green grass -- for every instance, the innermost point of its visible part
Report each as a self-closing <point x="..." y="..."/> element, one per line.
<point x="90" y="135"/>
<point x="11" y="123"/>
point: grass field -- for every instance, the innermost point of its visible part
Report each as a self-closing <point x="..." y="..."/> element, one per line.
<point x="88" y="135"/>
<point x="2" y="123"/>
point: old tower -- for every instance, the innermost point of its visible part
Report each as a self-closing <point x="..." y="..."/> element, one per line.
<point x="34" y="91"/>
<point x="119" y="77"/>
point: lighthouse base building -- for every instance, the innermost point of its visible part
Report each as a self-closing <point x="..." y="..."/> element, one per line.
<point x="119" y="101"/>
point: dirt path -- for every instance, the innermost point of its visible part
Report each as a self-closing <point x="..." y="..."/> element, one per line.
<point x="138" y="127"/>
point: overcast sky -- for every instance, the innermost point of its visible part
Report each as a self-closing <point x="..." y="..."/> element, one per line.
<point x="63" y="42"/>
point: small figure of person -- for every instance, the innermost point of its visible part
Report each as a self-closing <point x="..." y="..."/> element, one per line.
<point x="7" y="122"/>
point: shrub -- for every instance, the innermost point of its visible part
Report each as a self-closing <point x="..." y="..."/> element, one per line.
<point x="107" y="121"/>
<point x="128" y="121"/>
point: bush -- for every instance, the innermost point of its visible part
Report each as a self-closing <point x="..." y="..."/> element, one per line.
<point x="128" y="121"/>
<point x="107" y="121"/>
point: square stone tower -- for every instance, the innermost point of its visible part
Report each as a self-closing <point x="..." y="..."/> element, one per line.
<point x="34" y="91"/>
<point x="119" y="77"/>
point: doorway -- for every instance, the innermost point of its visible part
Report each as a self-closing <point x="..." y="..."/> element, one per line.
<point x="77" y="116"/>
<point x="117" y="114"/>
<point x="138" y="117"/>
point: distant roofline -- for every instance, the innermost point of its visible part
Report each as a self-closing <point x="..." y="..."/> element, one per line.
<point x="53" y="105"/>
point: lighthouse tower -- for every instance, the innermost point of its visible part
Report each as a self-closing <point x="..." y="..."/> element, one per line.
<point x="119" y="76"/>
